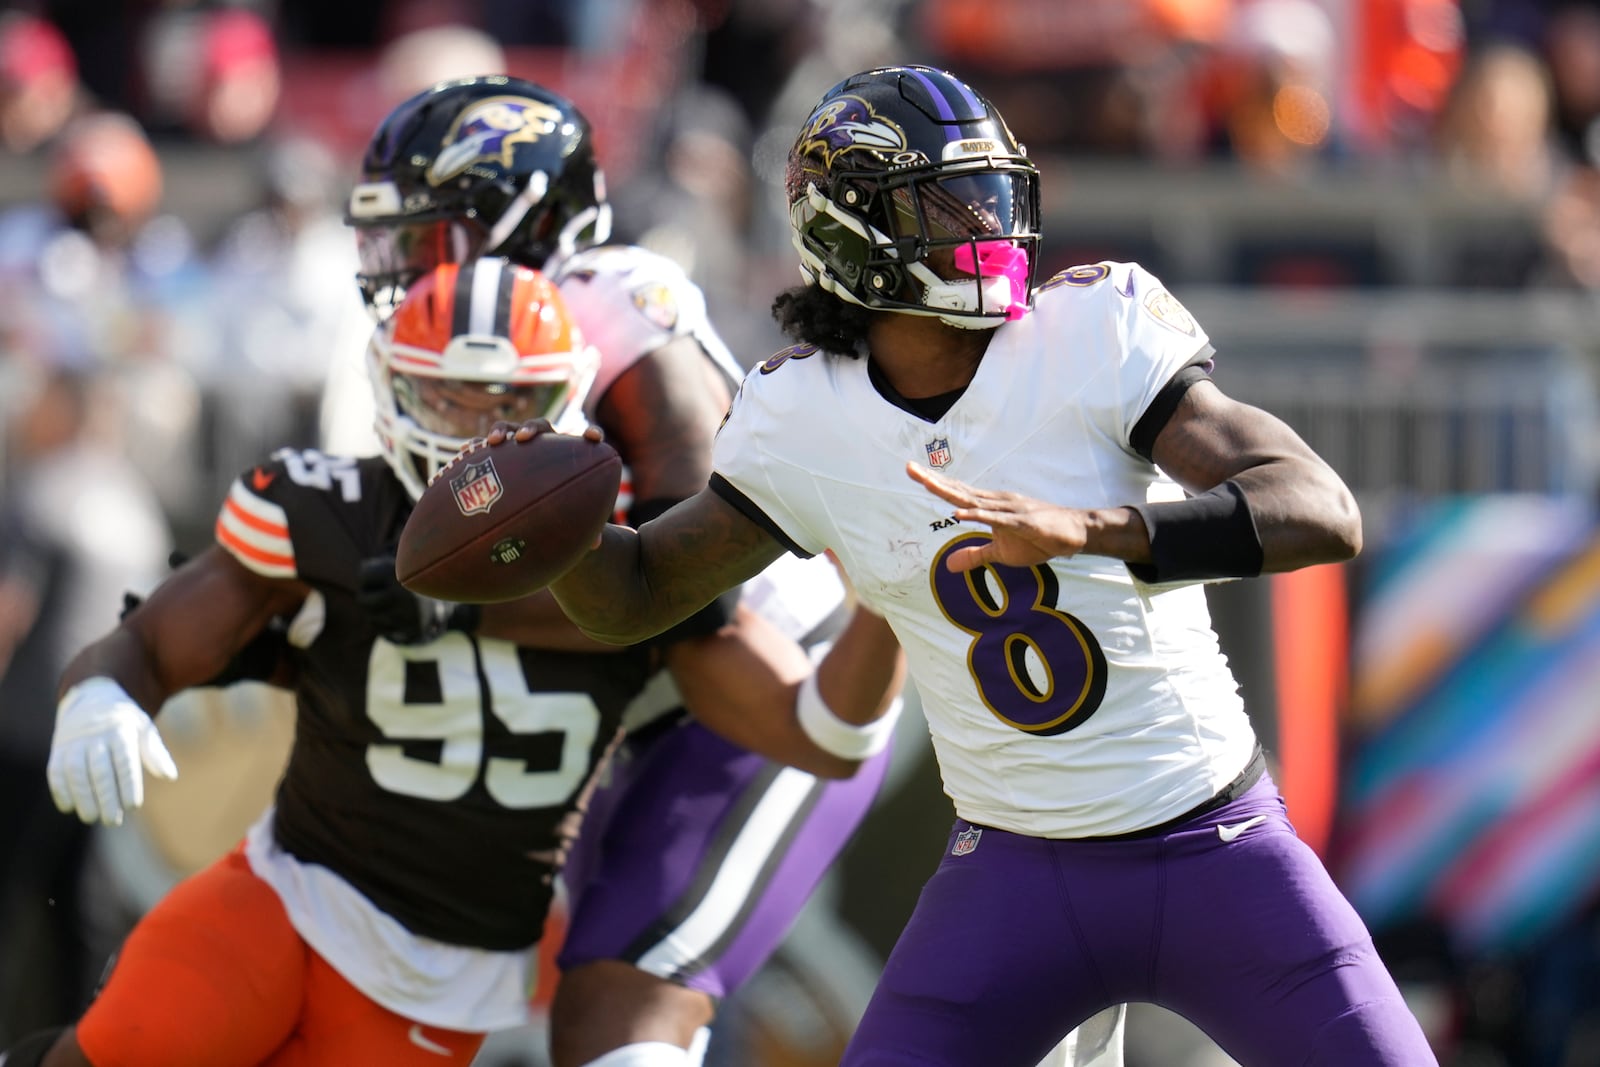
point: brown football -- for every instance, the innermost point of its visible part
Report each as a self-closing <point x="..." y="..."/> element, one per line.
<point x="500" y="523"/>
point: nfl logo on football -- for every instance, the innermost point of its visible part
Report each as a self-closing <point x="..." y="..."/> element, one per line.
<point x="939" y="453"/>
<point x="966" y="841"/>
<point x="477" y="487"/>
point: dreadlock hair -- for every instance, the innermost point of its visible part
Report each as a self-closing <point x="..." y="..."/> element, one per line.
<point x="808" y="315"/>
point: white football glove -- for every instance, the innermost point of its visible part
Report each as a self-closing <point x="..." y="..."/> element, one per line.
<point x="102" y="740"/>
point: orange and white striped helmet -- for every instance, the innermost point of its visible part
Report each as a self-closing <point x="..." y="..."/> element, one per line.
<point x="473" y="344"/>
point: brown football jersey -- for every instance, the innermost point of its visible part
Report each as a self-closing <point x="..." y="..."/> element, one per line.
<point x="444" y="780"/>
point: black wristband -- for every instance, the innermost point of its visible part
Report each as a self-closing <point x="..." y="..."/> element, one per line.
<point x="1208" y="536"/>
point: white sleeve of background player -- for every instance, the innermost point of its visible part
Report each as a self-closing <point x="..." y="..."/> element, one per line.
<point x="746" y="457"/>
<point x="795" y="595"/>
<point x="255" y="532"/>
<point x="628" y="302"/>
<point x="1159" y="335"/>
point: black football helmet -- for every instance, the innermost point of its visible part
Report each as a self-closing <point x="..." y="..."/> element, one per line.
<point x="490" y="165"/>
<point x="907" y="192"/>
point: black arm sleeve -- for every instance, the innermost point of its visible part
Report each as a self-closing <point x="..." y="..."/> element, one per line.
<point x="1212" y="535"/>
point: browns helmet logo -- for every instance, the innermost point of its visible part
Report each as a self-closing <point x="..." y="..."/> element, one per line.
<point x="491" y="129"/>
<point x="847" y="122"/>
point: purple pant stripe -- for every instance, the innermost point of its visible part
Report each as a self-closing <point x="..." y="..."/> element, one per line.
<point x="662" y="831"/>
<point x="711" y="862"/>
<point x="790" y="897"/>
<point x="836" y="810"/>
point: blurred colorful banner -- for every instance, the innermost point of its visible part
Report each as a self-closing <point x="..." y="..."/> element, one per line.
<point x="1471" y="789"/>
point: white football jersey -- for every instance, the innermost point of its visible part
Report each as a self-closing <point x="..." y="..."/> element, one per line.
<point x="628" y="302"/>
<point x="1065" y="700"/>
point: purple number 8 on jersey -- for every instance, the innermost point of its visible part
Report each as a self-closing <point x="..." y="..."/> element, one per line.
<point x="1012" y="616"/>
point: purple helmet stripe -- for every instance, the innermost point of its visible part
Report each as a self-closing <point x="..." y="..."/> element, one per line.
<point x="942" y="100"/>
<point x="969" y="96"/>
<point x="945" y="114"/>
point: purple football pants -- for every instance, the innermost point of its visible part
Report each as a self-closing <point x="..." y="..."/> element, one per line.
<point x="1018" y="939"/>
<point x="696" y="856"/>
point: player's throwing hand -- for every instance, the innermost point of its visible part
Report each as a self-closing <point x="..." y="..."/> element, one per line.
<point x="524" y="432"/>
<point x="1026" y="530"/>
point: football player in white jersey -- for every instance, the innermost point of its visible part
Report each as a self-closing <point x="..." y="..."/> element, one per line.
<point x="1117" y="837"/>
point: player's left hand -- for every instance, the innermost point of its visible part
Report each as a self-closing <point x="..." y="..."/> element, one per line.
<point x="103" y="744"/>
<point x="1026" y="531"/>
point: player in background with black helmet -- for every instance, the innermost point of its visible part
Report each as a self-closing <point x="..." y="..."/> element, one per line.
<point x="501" y="166"/>
<point x="387" y="908"/>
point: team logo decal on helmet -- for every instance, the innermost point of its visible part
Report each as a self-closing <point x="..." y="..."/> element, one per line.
<point x="484" y="166"/>
<point x="848" y="122"/>
<point x="491" y="129"/>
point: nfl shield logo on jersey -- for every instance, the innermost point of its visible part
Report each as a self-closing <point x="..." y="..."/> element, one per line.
<point x="939" y="456"/>
<point x="966" y="841"/>
<point x="477" y="487"/>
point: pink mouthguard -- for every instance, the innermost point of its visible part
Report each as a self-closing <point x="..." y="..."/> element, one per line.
<point x="998" y="259"/>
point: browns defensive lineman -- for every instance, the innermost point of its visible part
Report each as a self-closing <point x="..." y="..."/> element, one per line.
<point x="386" y="908"/>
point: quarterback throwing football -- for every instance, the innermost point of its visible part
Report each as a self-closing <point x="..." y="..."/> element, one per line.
<point x="1117" y="837"/>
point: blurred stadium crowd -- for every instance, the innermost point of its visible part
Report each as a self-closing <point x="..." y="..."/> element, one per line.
<point x="1387" y="212"/>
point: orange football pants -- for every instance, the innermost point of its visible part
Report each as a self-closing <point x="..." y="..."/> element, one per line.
<point x="216" y="976"/>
